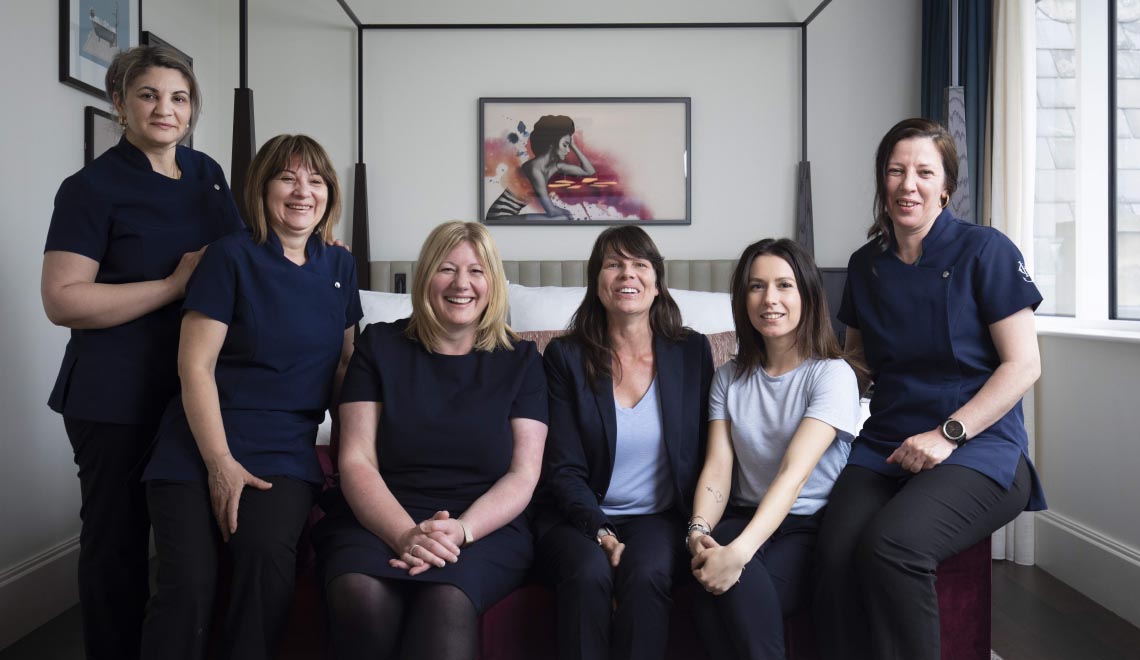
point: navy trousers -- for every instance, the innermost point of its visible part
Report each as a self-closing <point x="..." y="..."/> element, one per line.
<point x="114" y="540"/>
<point x="263" y="553"/>
<point x="881" y="541"/>
<point x="614" y="613"/>
<point x="747" y="621"/>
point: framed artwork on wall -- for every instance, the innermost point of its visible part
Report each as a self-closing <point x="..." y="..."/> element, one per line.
<point x="91" y="33"/>
<point x="100" y="133"/>
<point x="568" y="161"/>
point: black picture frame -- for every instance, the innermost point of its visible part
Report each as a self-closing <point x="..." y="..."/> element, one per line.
<point x="639" y="149"/>
<point x="91" y="33"/>
<point x="100" y="132"/>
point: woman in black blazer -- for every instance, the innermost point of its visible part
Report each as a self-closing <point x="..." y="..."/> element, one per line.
<point x="628" y="390"/>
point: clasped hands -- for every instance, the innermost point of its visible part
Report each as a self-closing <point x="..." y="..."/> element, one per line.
<point x="717" y="567"/>
<point x="433" y="542"/>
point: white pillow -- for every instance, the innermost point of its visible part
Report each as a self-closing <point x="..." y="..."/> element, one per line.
<point x="543" y="307"/>
<point x="380" y="307"/>
<point x="704" y="311"/>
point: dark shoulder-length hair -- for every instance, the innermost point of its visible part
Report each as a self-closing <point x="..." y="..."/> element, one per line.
<point x="589" y="326"/>
<point x="917" y="127"/>
<point x="814" y="335"/>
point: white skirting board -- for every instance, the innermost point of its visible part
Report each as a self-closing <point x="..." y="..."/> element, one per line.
<point x="37" y="590"/>
<point x="1101" y="568"/>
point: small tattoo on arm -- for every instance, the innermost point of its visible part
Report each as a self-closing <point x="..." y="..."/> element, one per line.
<point x="717" y="495"/>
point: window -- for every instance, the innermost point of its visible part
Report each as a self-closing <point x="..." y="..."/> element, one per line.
<point x="1086" y="227"/>
<point x="1054" y="208"/>
<point x="1126" y="238"/>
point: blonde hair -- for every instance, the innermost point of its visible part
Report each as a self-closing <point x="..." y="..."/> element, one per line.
<point x="492" y="332"/>
<point x="273" y="157"/>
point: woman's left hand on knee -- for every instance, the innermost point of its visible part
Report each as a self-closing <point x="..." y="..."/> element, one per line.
<point x="922" y="452"/>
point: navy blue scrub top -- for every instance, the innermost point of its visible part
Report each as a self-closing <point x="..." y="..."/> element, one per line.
<point x="137" y="224"/>
<point x="276" y="366"/>
<point x="925" y="331"/>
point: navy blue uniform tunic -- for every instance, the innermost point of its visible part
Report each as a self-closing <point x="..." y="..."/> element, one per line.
<point x="925" y="331"/>
<point x="137" y="224"/>
<point x="443" y="440"/>
<point x="276" y="367"/>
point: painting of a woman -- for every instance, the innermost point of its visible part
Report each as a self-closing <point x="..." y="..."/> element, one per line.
<point x="551" y="141"/>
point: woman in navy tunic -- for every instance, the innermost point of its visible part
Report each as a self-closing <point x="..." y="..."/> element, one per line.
<point x="267" y="332"/>
<point x="942" y="311"/>
<point x="629" y="388"/>
<point x="443" y="421"/>
<point x="127" y="231"/>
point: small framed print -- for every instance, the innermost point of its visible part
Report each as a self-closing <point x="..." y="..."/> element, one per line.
<point x="91" y="33"/>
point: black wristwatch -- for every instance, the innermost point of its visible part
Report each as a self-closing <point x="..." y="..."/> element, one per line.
<point x="954" y="431"/>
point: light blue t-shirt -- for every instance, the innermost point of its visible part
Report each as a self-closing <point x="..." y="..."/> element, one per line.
<point x="763" y="413"/>
<point x="642" y="479"/>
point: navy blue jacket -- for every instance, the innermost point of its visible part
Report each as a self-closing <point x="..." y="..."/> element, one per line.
<point x="581" y="444"/>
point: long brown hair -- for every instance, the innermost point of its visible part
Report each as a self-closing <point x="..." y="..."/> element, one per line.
<point x="589" y="326"/>
<point x="814" y="335"/>
<point x="908" y="129"/>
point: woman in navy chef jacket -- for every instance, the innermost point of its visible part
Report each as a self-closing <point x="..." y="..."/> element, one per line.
<point x="443" y="425"/>
<point x="628" y="417"/>
<point x="267" y="331"/>
<point x="127" y="231"/>
<point x="942" y="311"/>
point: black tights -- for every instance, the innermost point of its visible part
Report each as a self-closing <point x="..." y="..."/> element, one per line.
<point x="370" y="619"/>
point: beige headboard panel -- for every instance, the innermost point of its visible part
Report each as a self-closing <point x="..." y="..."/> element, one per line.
<point x="696" y="274"/>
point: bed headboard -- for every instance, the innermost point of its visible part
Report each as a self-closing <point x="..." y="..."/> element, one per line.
<point x="692" y="274"/>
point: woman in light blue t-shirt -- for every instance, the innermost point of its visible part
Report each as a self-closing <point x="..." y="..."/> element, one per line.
<point x="781" y="419"/>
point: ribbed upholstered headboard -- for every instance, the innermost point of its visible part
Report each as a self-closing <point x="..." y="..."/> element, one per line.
<point x="695" y="274"/>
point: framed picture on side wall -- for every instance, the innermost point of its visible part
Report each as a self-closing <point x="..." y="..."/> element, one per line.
<point x="99" y="133"/>
<point x="91" y="33"/>
<point x="568" y="161"/>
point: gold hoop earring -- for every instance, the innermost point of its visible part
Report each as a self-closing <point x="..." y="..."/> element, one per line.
<point x="122" y="122"/>
<point x="944" y="200"/>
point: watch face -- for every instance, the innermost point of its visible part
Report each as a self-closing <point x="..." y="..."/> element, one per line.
<point x="953" y="429"/>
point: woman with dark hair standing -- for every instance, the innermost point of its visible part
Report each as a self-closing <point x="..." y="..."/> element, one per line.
<point x="781" y="419"/>
<point x="628" y="410"/>
<point x="942" y="311"/>
<point x="551" y="141"/>
<point x="127" y="231"/>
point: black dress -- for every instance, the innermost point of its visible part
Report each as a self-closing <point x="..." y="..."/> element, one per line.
<point x="443" y="440"/>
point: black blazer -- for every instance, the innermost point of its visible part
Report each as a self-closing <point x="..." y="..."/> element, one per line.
<point x="581" y="443"/>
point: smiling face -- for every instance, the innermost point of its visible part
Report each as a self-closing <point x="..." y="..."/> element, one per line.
<point x="295" y="200"/>
<point x="626" y="285"/>
<point x="774" y="301"/>
<point x="157" y="108"/>
<point x="915" y="182"/>
<point x="458" y="290"/>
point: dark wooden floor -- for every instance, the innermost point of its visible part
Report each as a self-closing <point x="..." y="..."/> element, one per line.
<point x="1038" y="617"/>
<point x="1035" y="617"/>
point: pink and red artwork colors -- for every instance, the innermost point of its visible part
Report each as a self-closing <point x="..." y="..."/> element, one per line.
<point x="597" y="160"/>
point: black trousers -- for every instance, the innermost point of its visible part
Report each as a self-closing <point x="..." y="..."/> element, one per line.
<point x="586" y="587"/>
<point x="747" y="621"/>
<point x="114" y="539"/>
<point x="263" y="553"/>
<point x="882" y="539"/>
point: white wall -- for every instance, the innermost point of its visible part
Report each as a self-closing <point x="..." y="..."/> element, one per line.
<point x="745" y="87"/>
<point x="1088" y="456"/>
<point x="864" y="72"/>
